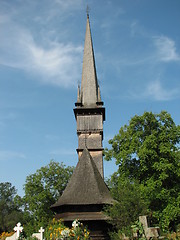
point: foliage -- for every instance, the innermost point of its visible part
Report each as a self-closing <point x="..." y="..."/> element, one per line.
<point x="56" y="230"/>
<point x="138" y="229"/>
<point x="42" y="189"/>
<point x="129" y="205"/>
<point x="147" y="151"/>
<point x="10" y="212"/>
<point x="173" y="236"/>
<point x="32" y="238"/>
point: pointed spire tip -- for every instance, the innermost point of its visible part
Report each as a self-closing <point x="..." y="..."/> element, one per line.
<point x="87" y="11"/>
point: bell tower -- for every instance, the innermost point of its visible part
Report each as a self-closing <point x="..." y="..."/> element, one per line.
<point x="89" y="111"/>
<point x="86" y="194"/>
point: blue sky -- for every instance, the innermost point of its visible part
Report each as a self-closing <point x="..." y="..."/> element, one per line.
<point x="137" y="53"/>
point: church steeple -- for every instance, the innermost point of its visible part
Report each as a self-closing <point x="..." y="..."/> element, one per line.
<point x="89" y="111"/>
<point x="86" y="193"/>
<point x="90" y="92"/>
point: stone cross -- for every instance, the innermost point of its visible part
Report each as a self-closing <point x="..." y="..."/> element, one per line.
<point x="18" y="229"/>
<point x="41" y="230"/>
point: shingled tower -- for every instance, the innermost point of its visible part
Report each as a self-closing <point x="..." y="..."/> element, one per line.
<point x="86" y="193"/>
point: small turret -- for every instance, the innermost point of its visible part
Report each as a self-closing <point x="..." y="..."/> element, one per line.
<point x="79" y="102"/>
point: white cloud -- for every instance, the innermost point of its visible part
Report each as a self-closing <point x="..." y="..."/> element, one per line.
<point x="157" y="92"/>
<point x="166" y="49"/>
<point x="53" y="62"/>
<point x="55" y="9"/>
<point x="9" y="155"/>
<point x="58" y="64"/>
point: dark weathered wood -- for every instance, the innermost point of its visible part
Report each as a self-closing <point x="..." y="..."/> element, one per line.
<point x="86" y="193"/>
<point x="86" y="186"/>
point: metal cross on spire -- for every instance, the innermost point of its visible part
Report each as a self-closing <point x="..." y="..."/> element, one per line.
<point x="87" y="10"/>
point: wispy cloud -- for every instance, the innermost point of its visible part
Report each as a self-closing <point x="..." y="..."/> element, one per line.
<point x="163" y="50"/>
<point x="54" y="9"/>
<point x="53" y="63"/>
<point x="157" y="92"/>
<point x="10" y="155"/>
<point x="166" y="49"/>
<point x="154" y="90"/>
<point x="58" y="64"/>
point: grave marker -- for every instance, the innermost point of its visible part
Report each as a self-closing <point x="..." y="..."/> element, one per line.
<point x="41" y="230"/>
<point x="18" y="229"/>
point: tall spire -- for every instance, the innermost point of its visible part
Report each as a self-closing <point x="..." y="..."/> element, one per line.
<point x="89" y="83"/>
<point x="86" y="193"/>
<point x="89" y="111"/>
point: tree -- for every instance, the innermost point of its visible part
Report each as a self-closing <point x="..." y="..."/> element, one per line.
<point x="130" y="203"/>
<point x="147" y="151"/>
<point x="10" y="212"/>
<point x="42" y="189"/>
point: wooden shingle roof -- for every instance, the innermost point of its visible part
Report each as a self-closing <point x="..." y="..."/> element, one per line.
<point x="86" y="185"/>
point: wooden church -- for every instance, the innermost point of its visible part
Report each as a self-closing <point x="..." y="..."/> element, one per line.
<point x="86" y="193"/>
